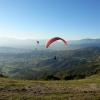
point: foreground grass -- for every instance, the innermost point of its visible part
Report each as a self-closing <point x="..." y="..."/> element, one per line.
<point x="84" y="89"/>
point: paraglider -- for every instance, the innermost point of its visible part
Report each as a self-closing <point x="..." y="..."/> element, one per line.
<point x="53" y="40"/>
<point x="35" y="48"/>
<point x="37" y="42"/>
<point x="54" y="57"/>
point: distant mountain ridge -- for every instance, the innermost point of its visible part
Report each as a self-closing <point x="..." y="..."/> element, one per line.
<point x="31" y="43"/>
<point x="83" y="41"/>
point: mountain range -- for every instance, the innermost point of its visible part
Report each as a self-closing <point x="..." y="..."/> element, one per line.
<point x="32" y="44"/>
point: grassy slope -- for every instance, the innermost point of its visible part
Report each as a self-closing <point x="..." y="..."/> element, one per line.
<point x="84" y="89"/>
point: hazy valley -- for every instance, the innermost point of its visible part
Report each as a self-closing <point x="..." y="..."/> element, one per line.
<point x="77" y="57"/>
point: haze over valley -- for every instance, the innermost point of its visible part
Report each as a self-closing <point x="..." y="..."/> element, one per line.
<point x="58" y="45"/>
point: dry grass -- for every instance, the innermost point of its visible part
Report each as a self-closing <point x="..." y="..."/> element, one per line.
<point x="85" y="89"/>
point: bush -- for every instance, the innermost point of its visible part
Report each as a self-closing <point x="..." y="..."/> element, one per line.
<point x="1" y="75"/>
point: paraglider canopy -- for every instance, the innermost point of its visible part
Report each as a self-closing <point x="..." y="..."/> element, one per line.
<point x="37" y="42"/>
<point x="53" y="40"/>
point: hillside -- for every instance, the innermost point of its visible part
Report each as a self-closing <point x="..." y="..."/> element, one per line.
<point x="28" y="64"/>
<point x="83" y="89"/>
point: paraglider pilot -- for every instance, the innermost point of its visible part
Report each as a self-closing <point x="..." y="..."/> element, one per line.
<point x="37" y="42"/>
<point x="54" y="57"/>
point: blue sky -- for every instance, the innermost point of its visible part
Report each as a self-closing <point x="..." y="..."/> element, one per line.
<point x="44" y="19"/>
